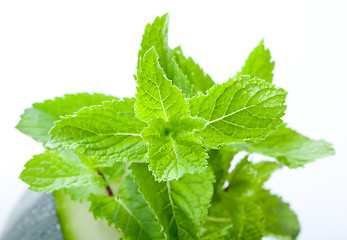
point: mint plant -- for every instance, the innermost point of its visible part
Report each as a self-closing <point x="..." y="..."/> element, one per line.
<point x="156" y="166"/>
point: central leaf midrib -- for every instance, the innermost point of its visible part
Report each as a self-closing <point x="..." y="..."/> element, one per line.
<point x="171" y="202"/>
<point x="161" y="100"/>
<point x="228" y="115"/>
<point x="174" y="150"/>
<point x="103" y="134"/>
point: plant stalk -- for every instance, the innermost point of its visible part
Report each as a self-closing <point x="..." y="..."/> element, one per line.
<point x="108" y="188"/>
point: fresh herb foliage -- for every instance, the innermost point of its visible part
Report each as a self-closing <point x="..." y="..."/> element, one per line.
<point x="157" y="166"/>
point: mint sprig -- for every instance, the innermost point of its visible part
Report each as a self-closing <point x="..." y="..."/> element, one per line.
<point x="157" y="166"/>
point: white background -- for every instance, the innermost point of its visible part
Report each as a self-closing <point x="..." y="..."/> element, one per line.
<point x="49" y="48"/>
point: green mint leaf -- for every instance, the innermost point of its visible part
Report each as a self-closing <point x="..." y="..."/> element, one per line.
<point x="235" y="214"/>
<point x="218" y="223"/>
<point x="81" y="193"/>
<point x="156" y="35"/>
<point x="180" y="205"/>
<point x="249" y="207"/>
<point x="249" y="176"/>
<point x="38" y="120"/>
<point x="258" y="64"/>
<point x="129" y="212"/>
<point x="243" y="177"/>
<point x="264" y="170"/>
<point x="106" y="133"/>
<point x="220" y="160"/>
<point x="216" y="234"/>
<point x="251" y="225"/>
<point x="156" y="96"/>
<point x="247" y="218"/>
<point x="51" y="171"/>
<point x="174" y="147"/>
<point x="280" y="220"/>
<point x="241" y="220"/>
<point x="240" y="109"/>
<point x="196" y="76"/>
<point x="289" y="147"/>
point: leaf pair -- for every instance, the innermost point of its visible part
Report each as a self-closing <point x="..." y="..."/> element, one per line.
<point x="53" y="170"/>
<point x="184" y="73"/>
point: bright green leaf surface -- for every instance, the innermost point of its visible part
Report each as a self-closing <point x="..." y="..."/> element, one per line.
<point x="156" y="35"/>
<point x="236" y="214"/>
<point x="129" y="212"/>
<point x="81" y="193"/>
<point x="223" y="218"/>
<point x="218" y="219"/>
<point x="106" y="133"/>
<point x="196" y="76"/>
<point x="115" y="172"/>
<point x="240" y="109"/>
<point x="241" y="220"/>
<point x="156" y="96"/>
<point x="264" y="170"/>
<point x="246" y="218"/>
<point x="180" y="205"/>
<point x="249" y="176"/>
<point x="217" y="234"/>
<point x="51" y="171"/>
<point x="258" y="64"/>
<point x="37" y="120"/>
<point x="243" y="177"/>
<point x="174" y="148"/>
<point x="289" y="147"/>
<point x="113" y="175"/>
<point x="252" y="223"/>
<point x="280" y="220"/>
<point x="220" y="160"/>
